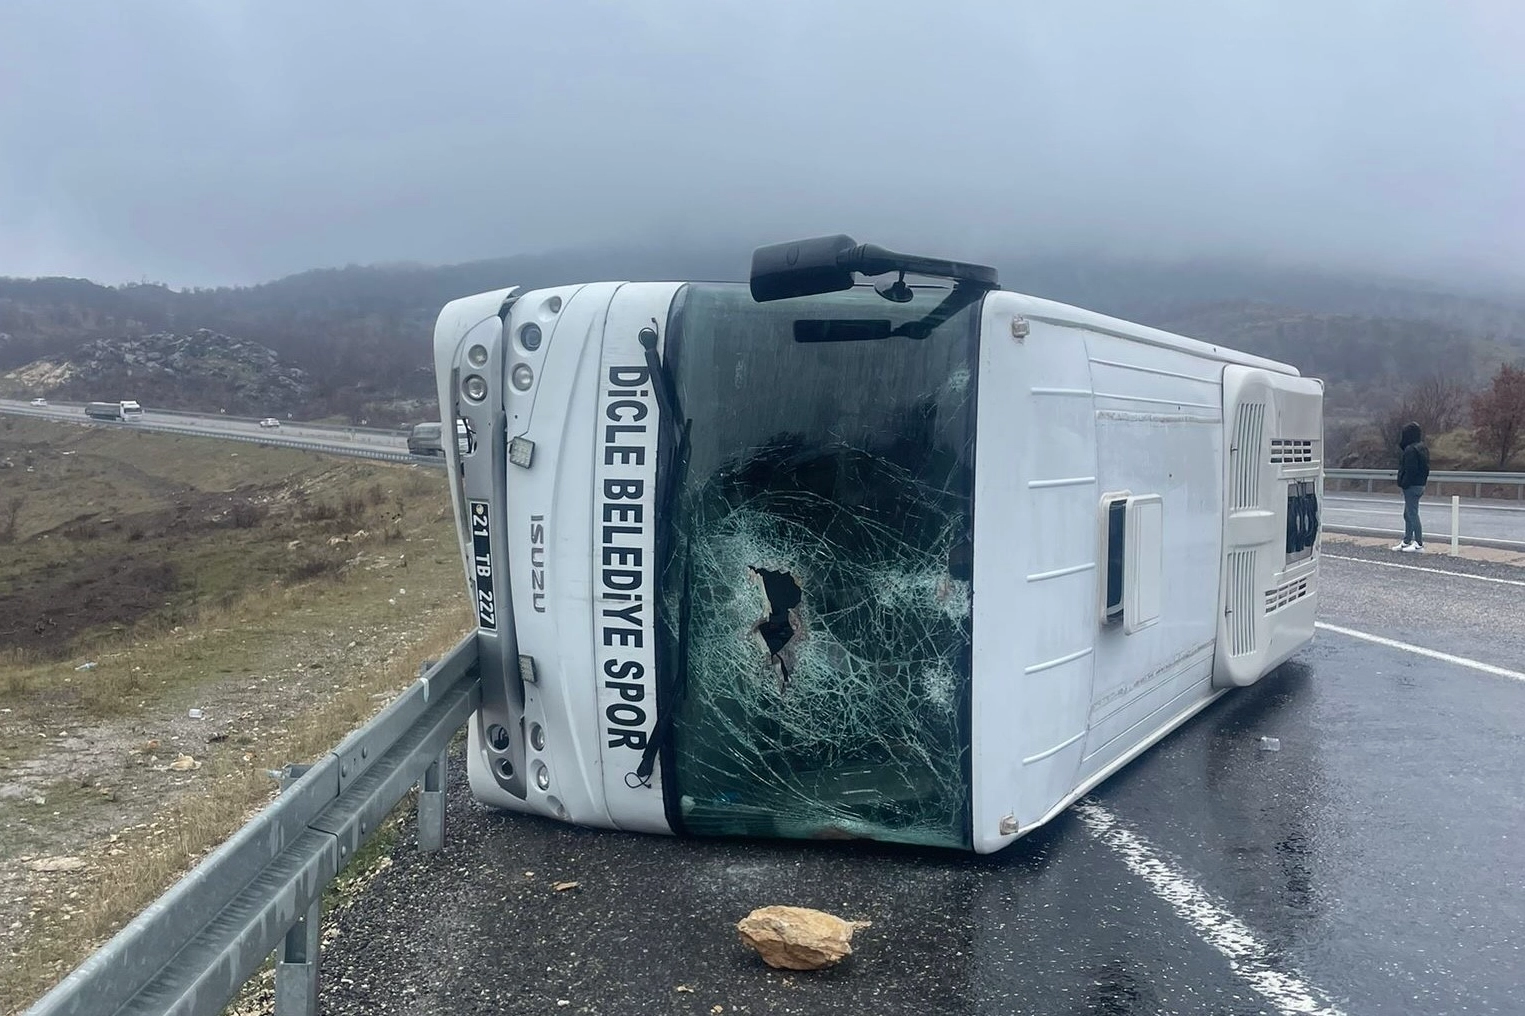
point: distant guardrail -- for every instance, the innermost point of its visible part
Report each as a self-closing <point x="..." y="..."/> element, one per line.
<point x="1481" y="483"/>
<point x="400" y="429"/>
<point x="191" y="950"/>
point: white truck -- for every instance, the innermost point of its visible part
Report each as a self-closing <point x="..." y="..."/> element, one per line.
<point x="124" y="411"/>
<point x="920" y="561"/>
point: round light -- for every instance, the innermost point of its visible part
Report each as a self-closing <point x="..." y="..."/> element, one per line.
<point x="475" y="387"/>
<point x="542" y="777"/>
<point x="529" y="336"/>
<point x="553" y="305"/>
<point x="505" y="769"/>
<point x="477" y="355"/>
<point x="522" y="376"/>
<point x="537" y="737"/>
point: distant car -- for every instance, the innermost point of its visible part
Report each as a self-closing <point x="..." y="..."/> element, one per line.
<point x="270" y="421"/>
<point x="39" y="402"/>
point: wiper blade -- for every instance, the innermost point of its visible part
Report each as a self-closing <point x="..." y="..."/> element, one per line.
<point x="667" y="404"/>
<point x="876" y="329"/>
<point x="956" y="300"/>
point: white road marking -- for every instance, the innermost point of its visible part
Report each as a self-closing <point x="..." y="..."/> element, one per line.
<point x="1247" y="956"/>
<point x="1432" y="571"/>
<point x="1434" y="654"/>
<point x="1438" y="505"/>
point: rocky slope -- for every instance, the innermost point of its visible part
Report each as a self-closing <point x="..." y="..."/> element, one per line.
<point x="203" y="370"/>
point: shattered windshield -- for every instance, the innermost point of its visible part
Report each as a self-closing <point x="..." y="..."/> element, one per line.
<point x="816" y="580"/>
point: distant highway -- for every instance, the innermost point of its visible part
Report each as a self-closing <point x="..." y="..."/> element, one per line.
<point x="361" y="442"/>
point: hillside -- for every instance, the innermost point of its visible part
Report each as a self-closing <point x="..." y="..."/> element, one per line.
<point x="361" y="334"/>
<point x="204" y="370"/>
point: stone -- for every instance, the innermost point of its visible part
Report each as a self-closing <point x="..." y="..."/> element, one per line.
<point x="798" y="938"/>
<point x="52" y="864"/>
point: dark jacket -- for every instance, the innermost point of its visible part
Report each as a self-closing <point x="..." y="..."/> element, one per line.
<point x="1414" y="458"/>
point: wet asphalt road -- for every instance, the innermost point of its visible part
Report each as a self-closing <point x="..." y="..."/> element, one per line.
<point x="1492" y="520"/>
<point x="1372" y="865"/>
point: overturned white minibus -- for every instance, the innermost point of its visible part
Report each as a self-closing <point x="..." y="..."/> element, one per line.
<point x="920" y="561"/>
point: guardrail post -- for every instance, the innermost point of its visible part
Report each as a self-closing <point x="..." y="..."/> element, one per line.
<point x="296" y="973"/>
<point x="431" y="805"/>
<point x="1455" y="525"/>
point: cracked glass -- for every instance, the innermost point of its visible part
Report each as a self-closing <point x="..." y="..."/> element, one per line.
<point x="816" y="550"/>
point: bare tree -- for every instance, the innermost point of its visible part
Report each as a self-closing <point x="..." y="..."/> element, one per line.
<point x="1498" y="414"/>
<point x="1439" y="404"/>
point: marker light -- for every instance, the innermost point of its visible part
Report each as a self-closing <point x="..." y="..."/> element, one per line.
<point x="537" y="737"/>
<point x="475" y="387"/>
<point x="477" y="355"/>
<point x="542" y="777"/>
<point x="522" y="376"/>
<point x="529" y="336"/>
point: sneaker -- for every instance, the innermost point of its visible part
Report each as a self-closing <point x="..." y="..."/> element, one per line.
<point x="1412" y="548"/>
<point x="1404" y="546"/>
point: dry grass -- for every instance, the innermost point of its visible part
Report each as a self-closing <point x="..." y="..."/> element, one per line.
<point x="290" y="646"/>
<point x="139" y="863"/>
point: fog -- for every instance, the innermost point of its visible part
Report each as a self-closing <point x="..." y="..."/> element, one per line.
<point x="202" y="142"/>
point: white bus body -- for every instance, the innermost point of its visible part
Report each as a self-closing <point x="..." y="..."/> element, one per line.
<point x="1138" y="511"/>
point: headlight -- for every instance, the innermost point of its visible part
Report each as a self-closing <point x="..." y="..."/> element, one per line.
<point x="475" y="387"/>
<point x="522" y="376"/>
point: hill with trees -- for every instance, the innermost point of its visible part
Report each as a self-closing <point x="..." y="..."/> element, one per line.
<point x="360" y="336"/>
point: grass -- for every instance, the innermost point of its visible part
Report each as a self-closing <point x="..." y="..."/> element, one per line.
<point x="111" y="551"/>
<point x="153" y="854"/>
<point x="283" y="618"/>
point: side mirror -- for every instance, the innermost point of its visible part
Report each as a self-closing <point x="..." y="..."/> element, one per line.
<point x="801" y="268"/>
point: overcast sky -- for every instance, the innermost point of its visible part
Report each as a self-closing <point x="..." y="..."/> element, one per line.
<point x="202" y="142"/>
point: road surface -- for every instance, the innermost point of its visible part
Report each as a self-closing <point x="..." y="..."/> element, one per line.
<point x="1489" y="520"/>
<point x="1372" y="865"/>
<point x="355" y="441"/>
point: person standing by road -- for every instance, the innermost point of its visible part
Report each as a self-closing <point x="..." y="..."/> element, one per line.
<point x="1413" y="474"/>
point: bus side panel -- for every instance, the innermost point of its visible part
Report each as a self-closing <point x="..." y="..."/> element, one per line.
<point x="1158" y="431"/>
<point x="1034" y="574"/>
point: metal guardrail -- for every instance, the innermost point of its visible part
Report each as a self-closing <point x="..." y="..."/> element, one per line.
<point x="400" y="430"/>
<point x="274" y="438"/>
<point x="191" y="950"/>
<point x="1478" y="480"/>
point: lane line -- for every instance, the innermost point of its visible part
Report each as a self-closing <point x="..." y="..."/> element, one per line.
<point x="1248" y="957"/>
<point x="1432" y="571"/>
<point x="1434" y="654"/>
<point x="1436" y="505"/>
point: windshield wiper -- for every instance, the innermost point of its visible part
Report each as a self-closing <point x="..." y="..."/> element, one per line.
<point x="874" y="329"/>
<point x="667" y="403"/>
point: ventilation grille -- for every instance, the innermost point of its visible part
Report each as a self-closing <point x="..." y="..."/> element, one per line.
<point x="1291" y="449"/>
<point x="1249" y="423"/>
<point x="1241" y="602"/>
<point x="1290" y="592"/>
